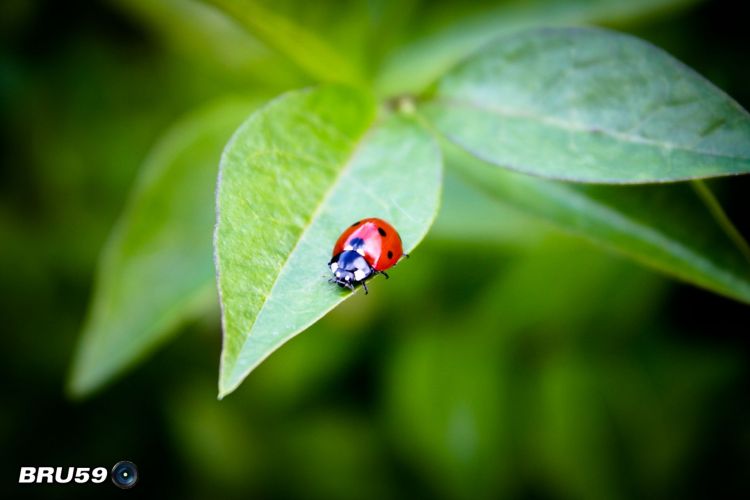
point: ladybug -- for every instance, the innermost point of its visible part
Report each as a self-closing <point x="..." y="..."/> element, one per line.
<point x="365" y="249"/>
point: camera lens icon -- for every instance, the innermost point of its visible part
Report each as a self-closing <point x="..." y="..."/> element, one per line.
<point x="124" y="475"/>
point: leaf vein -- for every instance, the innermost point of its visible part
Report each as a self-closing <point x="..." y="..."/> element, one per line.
<point x="301" y="239"/>
<point x="579" y="127"/>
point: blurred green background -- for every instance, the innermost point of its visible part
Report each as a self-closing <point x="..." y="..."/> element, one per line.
<point x="517" y="363"/>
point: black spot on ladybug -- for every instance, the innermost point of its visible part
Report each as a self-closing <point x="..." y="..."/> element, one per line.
<point x="381" y="231"/>
<point x="390" y="254"/>
<point x="356" y="223"/>
<point x="356" y="243"/>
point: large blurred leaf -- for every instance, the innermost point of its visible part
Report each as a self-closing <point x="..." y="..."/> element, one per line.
<point x="468" y="214"/>
<point x="593" y="106"/>
<point x="294" y="176"/>
<point x="666" y="227"/>
<point x="296" y="40"/>
<point x="446" y="32"/>
<point x="155" y="271"/>
<point x="202" y="33"/>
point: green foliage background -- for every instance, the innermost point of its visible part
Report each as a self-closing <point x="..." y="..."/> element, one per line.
<point x="505" y="359"/>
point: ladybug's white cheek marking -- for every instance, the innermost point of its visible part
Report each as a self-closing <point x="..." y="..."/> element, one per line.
<point x="334" y="266"/>
<point x="359" y="275"/>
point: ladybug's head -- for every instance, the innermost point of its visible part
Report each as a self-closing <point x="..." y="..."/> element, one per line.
<point x="349" y="268"/>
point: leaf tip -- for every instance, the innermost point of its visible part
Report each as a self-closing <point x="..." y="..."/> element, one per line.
<point x="78" y="385"/>
<point x="226" y="388"/>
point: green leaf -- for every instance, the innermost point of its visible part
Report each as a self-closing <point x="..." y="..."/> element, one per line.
<point x="207" y="36"/>
<point x="155" y="271"/>
<point x="441" y="37"/>
<point x="593" y="106"/>
<point x="666" y="227"/>
<point x="469" y="215"/>
<point x="294" y="176"/>
<point x="301" y="45"/>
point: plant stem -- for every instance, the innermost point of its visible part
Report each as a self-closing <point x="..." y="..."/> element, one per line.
<point x="721" y="217"/>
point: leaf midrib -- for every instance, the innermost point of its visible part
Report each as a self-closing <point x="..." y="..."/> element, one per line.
<point x="337" y="180"/>
<point x="574" y="127"/>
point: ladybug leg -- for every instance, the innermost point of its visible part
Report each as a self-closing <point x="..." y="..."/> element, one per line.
<point x="384" y="274"/>
<point x="364" y="285"/>
<point x="403" y="256"/>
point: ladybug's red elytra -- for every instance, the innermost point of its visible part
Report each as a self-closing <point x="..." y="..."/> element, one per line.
<point x="365" y="249"/>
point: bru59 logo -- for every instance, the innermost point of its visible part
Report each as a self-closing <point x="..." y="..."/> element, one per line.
<point x="124" y="475"/>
